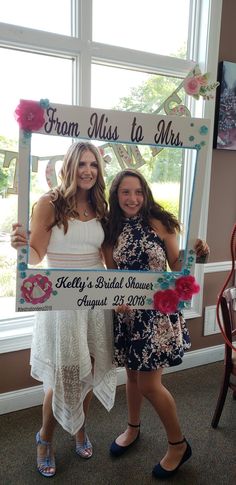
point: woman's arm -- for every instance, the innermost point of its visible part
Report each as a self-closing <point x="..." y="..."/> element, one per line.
<point x="107" y="252"/>
<point x="171" y="244"/>
<point x="110" y="264"/>
<point x="42" y="218"/>
<point x="172" y="250"/>
<point x="174" y="258"/>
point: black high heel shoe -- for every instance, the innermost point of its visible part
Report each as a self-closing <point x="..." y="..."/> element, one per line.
<point x="160" y="472"/>
<point x="118" y="450"/>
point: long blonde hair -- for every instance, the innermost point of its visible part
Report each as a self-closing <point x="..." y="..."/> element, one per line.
<point x="64" y="197"/>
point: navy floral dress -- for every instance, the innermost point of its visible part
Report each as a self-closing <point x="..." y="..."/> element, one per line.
<point x="146" y="339"/>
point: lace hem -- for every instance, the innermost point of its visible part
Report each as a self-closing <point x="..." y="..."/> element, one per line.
<point x="69" y="391"/>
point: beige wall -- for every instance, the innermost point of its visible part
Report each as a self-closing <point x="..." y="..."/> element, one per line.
<point x="222" y="216"/>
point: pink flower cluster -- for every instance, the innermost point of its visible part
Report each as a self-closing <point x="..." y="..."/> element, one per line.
<point x="29" y="115"/>
<point x="197" y="85"/>
<point x="192" y="85"/>
<point x="167" y="301"/>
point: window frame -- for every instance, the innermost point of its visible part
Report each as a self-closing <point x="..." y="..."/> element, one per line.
<point x="204" y="35"/>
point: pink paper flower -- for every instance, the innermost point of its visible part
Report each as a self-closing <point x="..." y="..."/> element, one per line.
<point x="102" y="151"/>
<point x="192" y="85"/>
<point x="202" y="80"/>
<point x="179" y="110"/>
<point x="197" y="84"/>
<point x="186" y="287"/>
<point x="29" y="115"/>
<point x="166" y="301"/>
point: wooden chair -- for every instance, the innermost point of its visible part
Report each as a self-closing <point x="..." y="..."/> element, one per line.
<point x="228" y="308"/>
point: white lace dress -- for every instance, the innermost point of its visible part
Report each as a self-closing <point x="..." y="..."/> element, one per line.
<point x="63" y="341"/>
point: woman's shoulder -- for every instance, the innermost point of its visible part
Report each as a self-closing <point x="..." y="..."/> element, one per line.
<point x="46" y="200"/>
<point x="162" y="230"/>
<point x="44" y="206"/>
<point x="158" y="227"/>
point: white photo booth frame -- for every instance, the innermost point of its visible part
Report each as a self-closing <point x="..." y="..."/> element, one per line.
<point x="60" y="289"/>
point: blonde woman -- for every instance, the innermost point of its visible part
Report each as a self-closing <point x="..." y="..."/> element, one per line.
<point x="71" y="351"/>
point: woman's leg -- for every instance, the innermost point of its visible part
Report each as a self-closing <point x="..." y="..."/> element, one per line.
<point x="134" y="402"/>
<point x="151" y="387"/>
<point x="80" y="435"/>
<point x="84" y="447"/>
<point x="47" y="429"/>
<point x="48" y="420"/>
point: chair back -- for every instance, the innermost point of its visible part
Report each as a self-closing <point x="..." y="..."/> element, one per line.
<point x="227" y="302"/>
<point x="230" y="297"/>
<point x="228" y="308"/>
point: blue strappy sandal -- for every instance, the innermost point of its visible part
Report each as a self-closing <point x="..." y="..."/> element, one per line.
<point x="47" y="461"/>
<point x="84" y="449"/>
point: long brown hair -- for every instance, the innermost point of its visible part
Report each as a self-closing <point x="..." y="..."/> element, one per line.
<point x="150" y="209"/>
<point x="64" y="197"/>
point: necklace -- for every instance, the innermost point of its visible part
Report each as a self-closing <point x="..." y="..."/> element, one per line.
<point x="85" y="211"/>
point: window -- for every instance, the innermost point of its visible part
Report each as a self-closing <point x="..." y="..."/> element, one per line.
<point x="149" y="27"/>
<point x="144" y="92"/>
<point x="38" y="15"/>
<point x="31" y="76"/>
<point x="97" y="53"/>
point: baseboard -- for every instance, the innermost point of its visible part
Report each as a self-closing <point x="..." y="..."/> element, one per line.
<point x="21" y="399"/>
<point x="33" y="396"/>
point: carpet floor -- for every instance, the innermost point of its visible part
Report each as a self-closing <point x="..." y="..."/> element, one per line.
<point x="196" y="391"/>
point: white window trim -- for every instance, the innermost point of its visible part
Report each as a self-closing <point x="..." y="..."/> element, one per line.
<point x="16" y="333"/>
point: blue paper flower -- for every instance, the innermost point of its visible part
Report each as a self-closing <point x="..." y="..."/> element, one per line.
<point x="203" y="130"/>
<point x="27" y="134"/>
<point x="22" y="266"/>
<point x="44" y="103"/>
<point x="164" y="285"/>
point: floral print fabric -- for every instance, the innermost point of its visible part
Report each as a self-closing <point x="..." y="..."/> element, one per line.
<point x="146" y="339"/>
